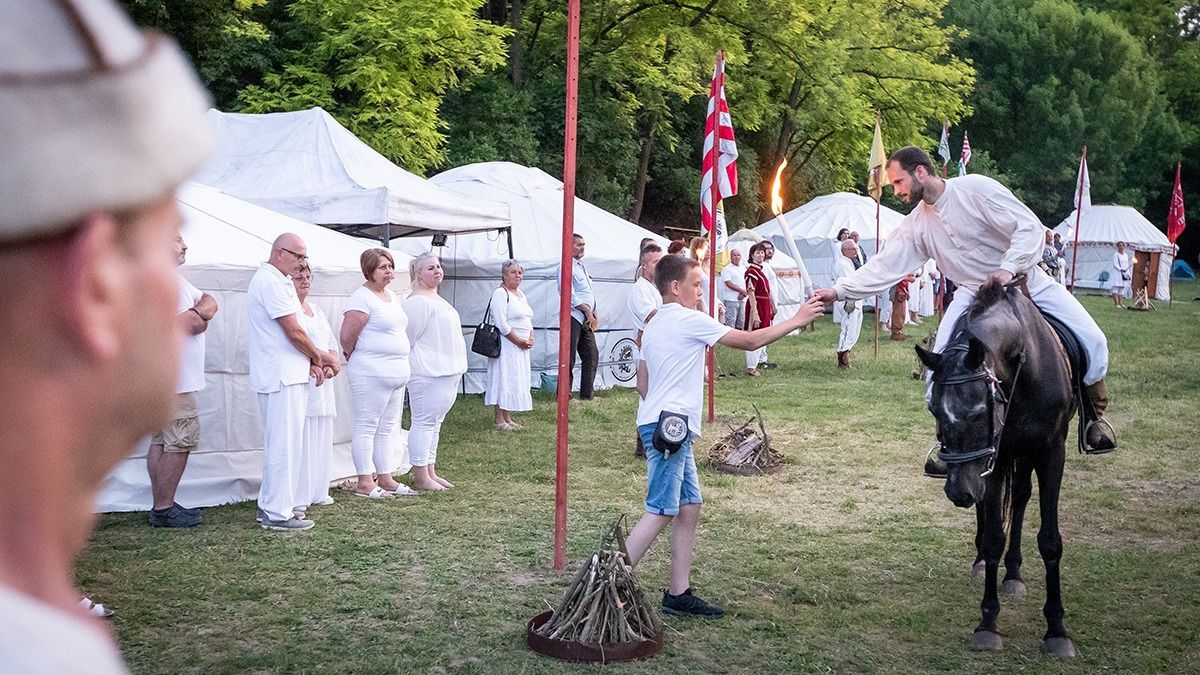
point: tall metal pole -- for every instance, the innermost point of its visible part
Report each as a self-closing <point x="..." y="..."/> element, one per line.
<point x="564" y="292"/>
<point x="876" y="317"/>
<point x="712" y="239"/>
<point x="1078" y="216"/>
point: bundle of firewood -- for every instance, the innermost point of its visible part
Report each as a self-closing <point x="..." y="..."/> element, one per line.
<point x="604" y="603"/>
<point x="743" y="450"/>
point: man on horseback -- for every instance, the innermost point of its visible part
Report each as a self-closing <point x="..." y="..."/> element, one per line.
<point x="977" y="231"/>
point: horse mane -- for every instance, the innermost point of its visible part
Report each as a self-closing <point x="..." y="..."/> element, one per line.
<point x="989" y="294"/>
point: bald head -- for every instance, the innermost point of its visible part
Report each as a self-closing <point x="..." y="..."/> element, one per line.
<point x="288" y="253"/>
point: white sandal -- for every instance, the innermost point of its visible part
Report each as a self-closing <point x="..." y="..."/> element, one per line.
<point x="95" y="609"/>
<point x="376" y="493"/>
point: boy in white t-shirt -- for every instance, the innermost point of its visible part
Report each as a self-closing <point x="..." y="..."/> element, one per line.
<point x="673" y="347"/>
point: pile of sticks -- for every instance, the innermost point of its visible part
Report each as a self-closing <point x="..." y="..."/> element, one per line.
<point x="604" y="603"/>
<point x="745" y="451"/>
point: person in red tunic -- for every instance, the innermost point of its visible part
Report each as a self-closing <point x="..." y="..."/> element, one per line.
<point x="759" y="311"/>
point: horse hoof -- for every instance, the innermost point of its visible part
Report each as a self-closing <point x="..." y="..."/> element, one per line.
<point x="1059" y="646"/>
<point x="979" y="570"/>
<point x="1014" y="588"/>
<point x="986" y="641"/>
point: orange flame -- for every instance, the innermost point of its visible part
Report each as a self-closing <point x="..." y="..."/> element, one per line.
<point x="776" y="198"/>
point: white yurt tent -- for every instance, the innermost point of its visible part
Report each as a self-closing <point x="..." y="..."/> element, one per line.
<point x="472" y="265"/>
<point x="227" y="240"/>
<point x="306" y="165"/>
<point x="790" y="294"/>
<point x="815" y="226"/>
<point x="1100" y="228"/>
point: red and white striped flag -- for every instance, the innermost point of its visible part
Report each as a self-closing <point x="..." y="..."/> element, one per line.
<point x="718" y="124"/>
<point x="965" y="158"/>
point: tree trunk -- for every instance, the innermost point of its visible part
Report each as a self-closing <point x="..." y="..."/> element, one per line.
<point x="514" y="46"/>
<point x="643" y="172"/>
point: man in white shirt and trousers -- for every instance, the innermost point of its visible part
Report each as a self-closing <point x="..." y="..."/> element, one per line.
<point x="101" y="123"/>
<point x="977" y="231"/>
<point x="643" y="302"/>
<point x="732" y="290"/>
<point x="281" y="359"/>
<point x="847" y="313"/>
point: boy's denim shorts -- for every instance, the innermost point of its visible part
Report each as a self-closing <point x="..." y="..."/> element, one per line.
<point x="672" y="481"/>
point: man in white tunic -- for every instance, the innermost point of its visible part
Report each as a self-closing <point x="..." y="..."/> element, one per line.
<point x="282" y="357"/>
<point x="847" y="313"/>
<point x="977" y="231"/>
<point x="100" y="125"/>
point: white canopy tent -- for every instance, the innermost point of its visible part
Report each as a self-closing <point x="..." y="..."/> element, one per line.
<point x="815" y="226"/>
<point x="472" y="265"/>
<point x="306" y="165"/>
<point x="1100" y="228"/>
<point x="227" y="240"/>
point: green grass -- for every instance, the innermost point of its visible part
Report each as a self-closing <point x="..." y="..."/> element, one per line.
<point x="849" y="561"/>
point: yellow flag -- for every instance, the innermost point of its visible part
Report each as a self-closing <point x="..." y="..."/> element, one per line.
<point x="876" y="176"/>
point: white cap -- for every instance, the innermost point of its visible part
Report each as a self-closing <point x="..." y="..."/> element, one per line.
<point x="94" y="114"/>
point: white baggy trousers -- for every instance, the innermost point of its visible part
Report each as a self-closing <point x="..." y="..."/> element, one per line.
<point x="429" y="398"/>
<point x="1055" y="300"/>
<point x="283" y="444"/>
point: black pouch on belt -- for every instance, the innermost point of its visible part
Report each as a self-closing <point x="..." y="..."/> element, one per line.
<point x="671" y="432"/>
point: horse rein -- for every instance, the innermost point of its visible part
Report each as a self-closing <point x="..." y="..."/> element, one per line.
<point x="998" y="421"/>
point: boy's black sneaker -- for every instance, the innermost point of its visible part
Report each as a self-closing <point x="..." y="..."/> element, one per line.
<point x="686" y="604"/>
<point x="175" y="516"/>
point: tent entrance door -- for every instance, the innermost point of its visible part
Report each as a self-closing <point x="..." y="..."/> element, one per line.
<point x="1145" y="273"/>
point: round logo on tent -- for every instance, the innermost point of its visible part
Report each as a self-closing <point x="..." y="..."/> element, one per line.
<point x="621" y="357"/>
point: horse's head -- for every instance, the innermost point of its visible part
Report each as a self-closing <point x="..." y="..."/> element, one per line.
<point x="969" y="407"/>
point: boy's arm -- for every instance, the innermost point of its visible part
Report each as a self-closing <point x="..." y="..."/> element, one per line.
<point x="750" y="340"/>
<point x="643" y="379"/>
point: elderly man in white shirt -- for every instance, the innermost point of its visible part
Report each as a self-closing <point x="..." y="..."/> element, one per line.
<point x="732" y="290"/>
<point x="977" y="231"/>
<point x="847" y="313"/>
<point x="282" y="357"/>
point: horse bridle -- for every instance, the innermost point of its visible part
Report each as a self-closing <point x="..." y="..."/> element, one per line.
<point x="996" y="419"/>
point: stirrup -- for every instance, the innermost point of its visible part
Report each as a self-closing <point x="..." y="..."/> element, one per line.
<point x="1110" y="437"/>
<point x="934" y="466"/>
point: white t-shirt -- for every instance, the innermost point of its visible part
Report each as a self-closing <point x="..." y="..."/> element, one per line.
<point x="643" y="299"/>
<point x="772" y="279"/>
<point x="321" y="400"/>
<point x="736" y="274"/>
<point x="191" y="362"/>
<point x="273" y="359"/>
<point x="435" y="333"/>
<point x="37" y="639"/>
<point x="382" y="349"/>
<point x="673" y="348"/>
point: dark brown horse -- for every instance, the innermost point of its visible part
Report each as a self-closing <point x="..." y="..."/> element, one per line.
<point x="1001" y="393"/>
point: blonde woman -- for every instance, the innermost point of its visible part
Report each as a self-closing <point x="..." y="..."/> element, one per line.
<point x="509" y="374"/>
<point x="438" y="359"/>
<point x="375" y="343"/>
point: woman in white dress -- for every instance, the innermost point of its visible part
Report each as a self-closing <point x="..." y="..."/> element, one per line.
<point x="1122" y="273"/>
<point x="375" y="343"/>
<point x="317" y="450"/>
<point x="438" y="359"/>
<point x="508" y="375"/>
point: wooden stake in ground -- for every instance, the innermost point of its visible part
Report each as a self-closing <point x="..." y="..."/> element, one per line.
<point x="604" y="603"/>
<point x="742" y="451"/>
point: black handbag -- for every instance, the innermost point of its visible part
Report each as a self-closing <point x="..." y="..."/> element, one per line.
<point x="487" y="337"/>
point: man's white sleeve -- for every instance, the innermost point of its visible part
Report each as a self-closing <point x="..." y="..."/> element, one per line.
<point x="902" y="253"/>
<point x="1012" y="218"/>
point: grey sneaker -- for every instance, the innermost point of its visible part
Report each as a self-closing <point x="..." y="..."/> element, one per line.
<point x="175" y="516"/>
<point x="687" y="604"/>
<point x="289" y="525"/>
<point x="260" y="516"/>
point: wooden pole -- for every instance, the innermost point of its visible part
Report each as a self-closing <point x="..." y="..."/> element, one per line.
<point x="1078" y="216"/>
<point x="714" y="155"/>
<point x="564" y="291"/>
<point x="878" y="181"/>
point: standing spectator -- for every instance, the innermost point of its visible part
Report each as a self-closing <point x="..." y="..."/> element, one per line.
<point x="775" y="291"/>
<point x="677" y="247"/>
<point x="438" y="359"/>
<point x="375" y="343"/>
<point x="860" y="257"/>
<point x="509" y="375"/>
<point x="100" y="124"/>
<point x="282" y="358"/>
<point x="583" y="323"/>
<point x="760" y="309"/>
<point x="899" y="297"/>
<point x="1122" y="273"/>
<point x="698" y="251"/>
<point x="316" y="453"/>
<point x="847" y="313"/>
<point x="171" y="445"/>
<point x="731" y="289"/>
<point x="644" y="300"/>
<point x="842" y="235"/>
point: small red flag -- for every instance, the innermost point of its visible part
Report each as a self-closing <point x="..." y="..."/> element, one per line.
<point x="1176" y="221"/>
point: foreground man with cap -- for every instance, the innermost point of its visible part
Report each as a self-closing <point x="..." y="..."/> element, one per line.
<point x="977" y="231"/>
<point x="100" y="125"/>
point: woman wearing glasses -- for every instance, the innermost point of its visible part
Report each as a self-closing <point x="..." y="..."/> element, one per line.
<point x="317" y="448"/>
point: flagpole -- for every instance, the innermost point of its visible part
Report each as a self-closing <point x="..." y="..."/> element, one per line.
<point x="1174" y="248"/>
<point x="878" y="199"/>
<point x="564" y="291"/>
<point x="1078" y="216"/>
<point x="710" y="355"/>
